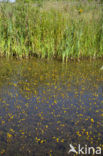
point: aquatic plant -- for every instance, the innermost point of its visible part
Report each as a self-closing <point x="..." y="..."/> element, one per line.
<point x="47" y="104"/>
<point x="51" y="30"/>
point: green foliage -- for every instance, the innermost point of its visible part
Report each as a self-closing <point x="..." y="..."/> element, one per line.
<point x="51" y="30"/>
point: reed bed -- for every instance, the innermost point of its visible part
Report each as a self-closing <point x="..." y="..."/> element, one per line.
<point x="59" y="30"/>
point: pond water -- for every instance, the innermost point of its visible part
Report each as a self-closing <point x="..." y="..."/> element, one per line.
<point x="46" y="105"/>
<point x="11" y="1"/>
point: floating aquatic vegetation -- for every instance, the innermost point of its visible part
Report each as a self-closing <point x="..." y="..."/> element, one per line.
<point x="51" y="106"/>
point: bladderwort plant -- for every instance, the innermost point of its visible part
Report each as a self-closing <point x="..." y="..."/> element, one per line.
<point x="51" y="30"/>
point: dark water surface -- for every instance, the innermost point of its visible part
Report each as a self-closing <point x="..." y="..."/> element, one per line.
<point x="46" y="105"/>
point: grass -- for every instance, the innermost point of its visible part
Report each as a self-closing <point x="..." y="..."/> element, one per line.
<point x="60" y="30"/>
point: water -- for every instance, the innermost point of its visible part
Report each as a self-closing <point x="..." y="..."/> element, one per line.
<point x="11" y="1"/>
<point x="47" y="105"/>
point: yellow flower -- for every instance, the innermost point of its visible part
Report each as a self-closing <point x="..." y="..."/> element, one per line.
<point x="81" y="10"/>
<point x="2" y="122"/>
<point x="11" y="117"/>
<point x="65" y="111"/>
<point x="92" y="120"/>
<point x="22" y="133"/>
<point x="42" y="141"/>
<point x="9" y="137"/>
<point x="87" y="133"/>
<point x="11" y="130"/>
<point x="37" y="139"/>
<point x="78" y="133"/>
<point x="46" y="126"/>
<point x="57" y="140"/>
<point x="15" y="85"/>
<point x="62" y="140"/>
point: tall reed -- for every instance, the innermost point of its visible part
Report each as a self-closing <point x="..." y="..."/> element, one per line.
<point x="51" y="30"/>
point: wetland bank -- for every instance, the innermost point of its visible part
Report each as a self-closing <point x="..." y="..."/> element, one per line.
<point x="57" y="30"/>
<point x="48" y="100"/>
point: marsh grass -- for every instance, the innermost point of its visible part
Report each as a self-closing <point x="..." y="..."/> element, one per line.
<point x="51" y="30"/>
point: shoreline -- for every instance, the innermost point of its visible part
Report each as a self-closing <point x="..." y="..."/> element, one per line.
<point x="53" y="30"/>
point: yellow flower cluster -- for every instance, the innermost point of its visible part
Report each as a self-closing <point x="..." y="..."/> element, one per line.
<point x="80" y="10"/>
